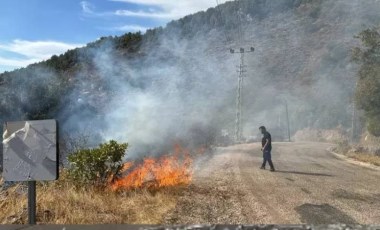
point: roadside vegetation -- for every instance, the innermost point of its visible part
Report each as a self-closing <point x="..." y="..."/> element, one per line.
<point x="62" y="202"/>
<point x="361" y="156"/>
<point x="368" y="83"/>
<point x="83" y="194"/>
<point x="367" y="99"/>
<point x="365" y="157"/>
<point x="358" y="152"/>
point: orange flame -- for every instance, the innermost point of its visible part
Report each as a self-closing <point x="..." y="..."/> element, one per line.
<point x="166" y="171"/>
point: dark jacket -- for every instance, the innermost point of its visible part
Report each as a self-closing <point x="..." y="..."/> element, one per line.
<point x="266" y="136"/>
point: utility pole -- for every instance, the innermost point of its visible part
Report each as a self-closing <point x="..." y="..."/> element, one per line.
<point x="241" y="70"/>
<point x="354" y="115"/>
<point x="283" y="100"/>
<point x="287" y="119"/>
<point x="353" y="131"/>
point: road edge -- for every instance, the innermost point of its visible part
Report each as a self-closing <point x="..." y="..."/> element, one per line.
<point x="353" y="161"/>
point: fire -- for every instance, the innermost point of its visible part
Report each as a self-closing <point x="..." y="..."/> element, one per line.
<point x="168" y="170"/>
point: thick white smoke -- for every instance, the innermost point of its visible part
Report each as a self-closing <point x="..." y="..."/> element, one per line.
<point x="181" y="83"/>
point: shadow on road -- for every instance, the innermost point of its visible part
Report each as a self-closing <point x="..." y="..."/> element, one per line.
<point x="304" y="173"/>
<point x="323" y="214"/>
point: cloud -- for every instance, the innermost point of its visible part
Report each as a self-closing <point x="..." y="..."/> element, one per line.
<point x="170" y="9"/>
<point x="87" y="7"/>
<point x="16" y="62"/>
<point x="131" y="28"/>
<point x="151" y="9"/>
<point x="144" y="14"/>
<point x="29" y="52"/>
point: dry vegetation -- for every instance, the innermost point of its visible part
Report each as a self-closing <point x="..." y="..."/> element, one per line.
<point x="365" y="157"/>
<point x="364" y="152"/>
<point x="60" y="202"/>
<point x="145" y="194"/>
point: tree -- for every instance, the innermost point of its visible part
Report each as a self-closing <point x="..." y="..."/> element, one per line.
<point x="368" y="86"/>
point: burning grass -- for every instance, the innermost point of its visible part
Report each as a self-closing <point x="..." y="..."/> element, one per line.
<point x="167" y="171"/>
<point x="61" y="202"/>
<point x="146" y="192"/>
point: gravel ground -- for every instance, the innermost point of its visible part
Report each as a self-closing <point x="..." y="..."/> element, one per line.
<point x="190" y="227"/>
<point x="310" y="186"/>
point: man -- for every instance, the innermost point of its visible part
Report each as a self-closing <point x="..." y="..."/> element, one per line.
<point x="266" y="144"/>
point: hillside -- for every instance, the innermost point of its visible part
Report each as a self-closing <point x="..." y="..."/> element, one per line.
<point x="178" y="83"/>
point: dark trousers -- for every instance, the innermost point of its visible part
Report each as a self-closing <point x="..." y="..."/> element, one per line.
<point x="267" y="157"/>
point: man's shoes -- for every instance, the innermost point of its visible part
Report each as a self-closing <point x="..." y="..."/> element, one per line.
<point x="262" y="167"/>
<point x="272" y="170"/>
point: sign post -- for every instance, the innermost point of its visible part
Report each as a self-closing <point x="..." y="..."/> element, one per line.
<point x="32" y="202"/>
<point x="30" y="154"/>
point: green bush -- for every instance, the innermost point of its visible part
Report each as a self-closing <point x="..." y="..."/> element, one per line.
<point x="96" y="166"/>
<point x="367" y="94"/>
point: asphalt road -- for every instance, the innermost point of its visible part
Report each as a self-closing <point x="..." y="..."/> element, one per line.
<point x="310" y="186"/>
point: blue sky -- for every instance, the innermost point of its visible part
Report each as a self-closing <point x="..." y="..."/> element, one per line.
<point x="33" y="30"/>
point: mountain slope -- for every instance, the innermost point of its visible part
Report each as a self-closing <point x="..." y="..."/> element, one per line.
<point x="179" y="82"/>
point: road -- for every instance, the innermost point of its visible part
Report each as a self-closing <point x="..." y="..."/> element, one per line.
<point x="310" y="186"/>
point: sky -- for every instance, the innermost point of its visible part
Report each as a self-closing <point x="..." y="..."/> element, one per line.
<point x="34" y="30"/>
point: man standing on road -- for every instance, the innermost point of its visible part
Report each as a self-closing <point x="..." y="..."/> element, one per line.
<point x="266" y="148"/>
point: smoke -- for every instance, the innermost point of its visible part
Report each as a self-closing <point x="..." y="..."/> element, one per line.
<point x="182" y="87"/>
<point x="173" y="93"/>
<point x="304" y="59"/>
<point x="180" y="84"/>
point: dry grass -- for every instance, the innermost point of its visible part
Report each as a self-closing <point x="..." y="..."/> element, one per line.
<point x="61" y="203"/>
<point x="365" y="157"/>
<point x="345" y="148"/>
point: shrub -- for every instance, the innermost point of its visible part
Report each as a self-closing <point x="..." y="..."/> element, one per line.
<point x="342" y="146"/>
<point x="96" y="166"/>
<point x="367" y="95"/>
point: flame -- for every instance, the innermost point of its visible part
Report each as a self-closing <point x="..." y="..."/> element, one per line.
<point x="168" y="170"/>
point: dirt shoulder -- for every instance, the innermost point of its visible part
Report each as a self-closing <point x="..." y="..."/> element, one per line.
<point x="361" y="159"/>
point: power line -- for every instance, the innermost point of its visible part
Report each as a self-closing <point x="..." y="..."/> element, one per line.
<point x="223" y="22"/>
<point x="238" y="9"/>
<point x="238" y="13"/>
<point x="241" y="68"/>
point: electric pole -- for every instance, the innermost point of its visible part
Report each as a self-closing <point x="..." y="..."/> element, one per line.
<point x="283" y="100"/>
<point x="353" y="125"/>
<point x="354" y="115"/>
<point x="241" y="70"/>
<point x="287" y="119"/>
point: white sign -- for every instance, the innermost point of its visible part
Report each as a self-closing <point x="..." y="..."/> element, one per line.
<point x="30" y="151"/>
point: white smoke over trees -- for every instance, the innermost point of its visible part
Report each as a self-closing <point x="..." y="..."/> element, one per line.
<point x="178" y="83"/>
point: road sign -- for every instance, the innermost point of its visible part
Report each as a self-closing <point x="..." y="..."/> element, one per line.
<point x="30" y="151"/>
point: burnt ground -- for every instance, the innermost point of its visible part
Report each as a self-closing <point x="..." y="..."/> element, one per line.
<point x="310" y="186"/>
